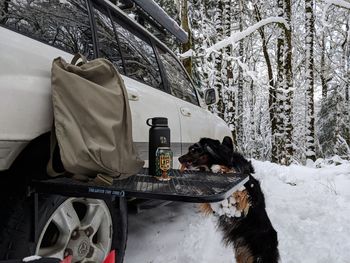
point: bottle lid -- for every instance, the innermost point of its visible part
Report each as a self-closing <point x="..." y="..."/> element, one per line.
<point x="164" y="148"/>
<point x="158" y="121"/>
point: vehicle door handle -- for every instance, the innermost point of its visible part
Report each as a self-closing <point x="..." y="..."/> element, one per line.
<point x="186" y="112"/>
<point x="133" y="95"/>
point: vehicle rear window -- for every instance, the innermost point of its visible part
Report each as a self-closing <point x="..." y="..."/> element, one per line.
<point x="62" y="23"/>
<point x="180" y="85"/>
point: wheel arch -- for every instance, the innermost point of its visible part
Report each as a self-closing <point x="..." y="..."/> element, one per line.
<point x="31" y="161"/>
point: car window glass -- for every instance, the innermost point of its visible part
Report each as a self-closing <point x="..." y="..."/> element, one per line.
<point x="62" y="23"/>
<point x="108" y="44"/>
<point x="139" y="58"/>
<point x="179" y="82"/>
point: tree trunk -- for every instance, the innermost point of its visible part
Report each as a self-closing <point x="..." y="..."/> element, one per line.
<point x="227" y="72"/>
<point x="240" y="83"/>
<point x="185" y="26"/>
<point x="346" y="58"/>
<point x="289" y="86"/>
<point x="272" y="89"/>
<point x="283" y="138"/>
<point x="278" y="147"/>
<point x="218" y="84"/>
<point x="309" y="59"/>
<point x="253" y="148"/>
<point x="323" y="67"/>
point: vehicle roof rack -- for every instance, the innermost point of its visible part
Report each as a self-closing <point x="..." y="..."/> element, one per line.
<point x="155" y="16"/>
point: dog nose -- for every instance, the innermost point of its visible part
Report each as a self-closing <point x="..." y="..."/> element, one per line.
<point x="181" y="159"/>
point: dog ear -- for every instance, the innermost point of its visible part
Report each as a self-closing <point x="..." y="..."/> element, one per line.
<point x="227" y="141"/>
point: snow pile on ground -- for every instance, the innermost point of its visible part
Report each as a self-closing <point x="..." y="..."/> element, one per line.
<point x="308" y="206"/>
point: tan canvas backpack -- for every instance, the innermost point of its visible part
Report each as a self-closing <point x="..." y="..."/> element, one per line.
<point x="92" y="119"/>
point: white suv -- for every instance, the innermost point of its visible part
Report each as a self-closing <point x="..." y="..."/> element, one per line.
<point x="32" y="34"/>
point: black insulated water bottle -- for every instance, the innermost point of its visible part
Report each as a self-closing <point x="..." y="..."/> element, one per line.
<point x="159" y="136"/>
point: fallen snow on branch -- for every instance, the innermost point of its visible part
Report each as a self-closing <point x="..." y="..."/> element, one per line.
<point x="340" y="3"/>
<point x="187" y="54"/>
<point x="235" y="37"/>
<point x="329" y="3"/>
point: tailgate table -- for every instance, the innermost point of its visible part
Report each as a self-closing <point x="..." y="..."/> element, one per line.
<point x="189" y="186"/>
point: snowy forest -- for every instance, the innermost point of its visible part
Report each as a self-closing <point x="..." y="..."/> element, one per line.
<point x="281" y="69"/>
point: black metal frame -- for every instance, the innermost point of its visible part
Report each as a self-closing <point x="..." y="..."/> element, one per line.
<point x="160" y="16"/>
<point x="191" y="186"/>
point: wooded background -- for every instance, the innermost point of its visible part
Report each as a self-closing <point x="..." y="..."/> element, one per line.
<point x="281" y="69"/>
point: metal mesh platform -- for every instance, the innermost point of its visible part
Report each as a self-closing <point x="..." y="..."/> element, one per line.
<point x="190" y="186"/>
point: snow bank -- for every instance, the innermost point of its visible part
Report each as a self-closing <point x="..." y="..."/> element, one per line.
<point x="310" y="209"/>
<point x="308" y="206"/>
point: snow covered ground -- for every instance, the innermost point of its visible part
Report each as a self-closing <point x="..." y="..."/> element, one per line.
<point x="309" y="207"/>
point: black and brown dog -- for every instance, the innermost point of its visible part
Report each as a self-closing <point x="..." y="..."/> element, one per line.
<point x="253" y="237"/>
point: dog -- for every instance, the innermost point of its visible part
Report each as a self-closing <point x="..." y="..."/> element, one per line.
<point x="250" y="231"/>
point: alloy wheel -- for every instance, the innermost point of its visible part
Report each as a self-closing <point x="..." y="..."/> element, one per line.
<point x="80" y="227"/>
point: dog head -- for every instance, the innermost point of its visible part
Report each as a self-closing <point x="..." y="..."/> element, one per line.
<point x="208" y="152"/>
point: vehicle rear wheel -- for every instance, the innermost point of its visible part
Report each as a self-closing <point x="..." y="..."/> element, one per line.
<point x="85" y="228"/>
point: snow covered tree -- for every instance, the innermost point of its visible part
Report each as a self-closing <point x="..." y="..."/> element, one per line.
<point x="229" y="18"/>
<point x="217" y="57"/>
<point x="239" y="112"/>
<point x="271" y="83"/>
<point x="188" y="45"/>
<point x="332" y="125"/>
<point x="309" y="59"/>
<point x="283" y="151"/>
<point x="274" y="99"/>
<point x="335" y="60"/>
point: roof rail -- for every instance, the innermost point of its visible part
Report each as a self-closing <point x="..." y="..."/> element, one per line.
<point x="153" y="10"/>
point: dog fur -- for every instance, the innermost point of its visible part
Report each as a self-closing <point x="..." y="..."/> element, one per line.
<point x="252" y="235"/>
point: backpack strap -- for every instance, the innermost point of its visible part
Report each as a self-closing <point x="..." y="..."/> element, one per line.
<point x="76" y="58"/>
<point x="54" y="167"/>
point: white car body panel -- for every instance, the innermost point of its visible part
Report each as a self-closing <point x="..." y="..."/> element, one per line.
<point x="25" y="99"/>
<point x="25" y="92"/>
<point x="147" y="102"/>
<point x="26" y="110"/>
<point x="197" y="122"/>
<point x="151" y="103"/>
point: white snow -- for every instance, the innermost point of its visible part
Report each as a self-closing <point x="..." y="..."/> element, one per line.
<point x="340" y="3"/>
<point x="308" y="206"/>
<point x="187" y="54"/>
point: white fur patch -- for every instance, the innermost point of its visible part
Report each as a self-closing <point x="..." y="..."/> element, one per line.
<point x="226" y="207"/>
<point x="242" y="188"/>
<point x="215" y="168"/>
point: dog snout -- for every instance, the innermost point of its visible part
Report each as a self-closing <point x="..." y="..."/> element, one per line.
<point x="183" y="158"/>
